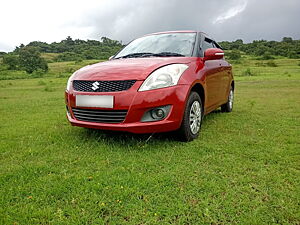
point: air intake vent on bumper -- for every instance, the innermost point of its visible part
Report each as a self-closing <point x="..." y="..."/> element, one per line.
<point x="99" y="116"/>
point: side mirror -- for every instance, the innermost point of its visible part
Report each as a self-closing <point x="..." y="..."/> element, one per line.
<point x="213" y="53"/>
<point x="111" y="57"/>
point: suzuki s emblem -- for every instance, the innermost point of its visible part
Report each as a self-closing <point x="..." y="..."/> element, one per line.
<point x="95" y="86"/>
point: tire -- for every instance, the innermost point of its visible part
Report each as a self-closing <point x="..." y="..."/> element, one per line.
<point x="189" y="130"/>
<point x="228" y="106"/>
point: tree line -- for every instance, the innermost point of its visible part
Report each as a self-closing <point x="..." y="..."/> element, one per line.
<point x="70" y="49"/>
<point x="263" y="49"/>
<point x="28" y="57"/>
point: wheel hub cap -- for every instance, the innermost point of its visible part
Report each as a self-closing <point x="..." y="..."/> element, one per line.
<point x="195" y="117"/>
<point x="230" y="99"/>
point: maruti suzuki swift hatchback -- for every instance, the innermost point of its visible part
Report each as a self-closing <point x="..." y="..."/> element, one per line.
<point x="160" y="82"/>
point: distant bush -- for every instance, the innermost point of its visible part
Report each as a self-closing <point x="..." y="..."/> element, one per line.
<point x="68" y="56"/>
<point x="247" y="72"/>
<point x="259" y="63"/>
<point x="12" y="61"/>
<point x="78" y="61"/>
<point x="3" y="67"/>
<point x="293" y="55"/>
<point x="236" y="61"/>
<point x="90" y="54"/>
<point x="266" y="56"/>
<point x="234" y="55"/>
<point x="41" y="82"/>
<point x="271" y="64"/>
<point x="48" y="89"/>
<point x="31" y="60"/>
<point x="70" y="70"/>
<point x="38" y="73"/>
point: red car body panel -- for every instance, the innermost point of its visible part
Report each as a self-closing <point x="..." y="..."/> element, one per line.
<point x="127" y="69"/>
<point x="137" y="105"/>
<point x="214" y="76"/>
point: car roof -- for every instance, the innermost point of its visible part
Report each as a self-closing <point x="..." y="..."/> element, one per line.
<point x="180" y="31"/>
<point x="176" y="31"/>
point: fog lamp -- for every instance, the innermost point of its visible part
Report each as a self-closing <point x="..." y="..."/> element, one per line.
<point x="156" y="114"/>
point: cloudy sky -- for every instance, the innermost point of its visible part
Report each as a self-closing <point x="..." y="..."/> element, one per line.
<point x="53" y="20"/>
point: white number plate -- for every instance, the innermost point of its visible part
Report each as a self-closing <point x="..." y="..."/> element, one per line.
<point x="101" y="101"/>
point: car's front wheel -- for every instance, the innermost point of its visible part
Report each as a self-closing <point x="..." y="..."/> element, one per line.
<point x="192" y="118"/>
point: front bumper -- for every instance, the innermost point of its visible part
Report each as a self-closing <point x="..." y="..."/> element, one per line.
<point x="137" y="103"/>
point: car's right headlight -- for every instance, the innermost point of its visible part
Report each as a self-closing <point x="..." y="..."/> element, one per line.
<point x="70" y="80"/>
<point x="69" y="83"/>
<point x="165" y="76"/>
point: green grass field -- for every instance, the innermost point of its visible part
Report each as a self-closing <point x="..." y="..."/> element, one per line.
<point x="243" y="169"/>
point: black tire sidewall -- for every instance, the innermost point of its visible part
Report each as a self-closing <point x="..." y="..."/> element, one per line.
<point x="185" y="129"/>
<point x="226" y="107"/>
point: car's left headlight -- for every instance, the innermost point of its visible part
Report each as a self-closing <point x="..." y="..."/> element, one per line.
<point x="165" y="76"/>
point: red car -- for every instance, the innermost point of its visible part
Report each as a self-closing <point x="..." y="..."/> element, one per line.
<point x="157" y="83"/>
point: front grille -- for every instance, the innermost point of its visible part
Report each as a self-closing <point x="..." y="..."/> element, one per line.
<point x="100" y="116"/>
<point x="102" y="86"/>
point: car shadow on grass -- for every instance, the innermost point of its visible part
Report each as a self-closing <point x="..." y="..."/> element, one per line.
<point x="129" y="141"/>
<point x="125" y="138"/>
<point x="212" y="116"/>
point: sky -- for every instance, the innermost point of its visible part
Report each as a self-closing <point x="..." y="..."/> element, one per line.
<point x="123" y="20"/>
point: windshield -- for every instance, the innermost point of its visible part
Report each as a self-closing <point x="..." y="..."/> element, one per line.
<point x="170" y="44"/>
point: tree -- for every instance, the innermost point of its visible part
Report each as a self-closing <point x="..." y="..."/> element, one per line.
<point x="287" y="39"/>
<point x="2" y="54"/>
<point x="17" y="49"/>
<point x="109" y="42"/>
<point x="267" y="56"/>
<point x="237" y="44"/>
<point x="31" y="60"/>
<point x="11" y="60"/>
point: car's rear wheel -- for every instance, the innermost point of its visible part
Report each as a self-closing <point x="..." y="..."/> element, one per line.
<point x="192" y="118"/>
<point x="227" y="107"/>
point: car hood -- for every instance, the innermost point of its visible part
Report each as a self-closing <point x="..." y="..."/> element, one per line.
<point x="126" y="69"/>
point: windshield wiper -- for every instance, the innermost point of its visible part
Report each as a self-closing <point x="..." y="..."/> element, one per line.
<point x="170" y="54"/>
<point x="136" y="55"/>
<point x="149" y="54"/>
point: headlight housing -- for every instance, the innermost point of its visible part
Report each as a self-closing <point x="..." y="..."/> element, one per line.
<point x="165" y="76"/>
<point x="69" y="83"/>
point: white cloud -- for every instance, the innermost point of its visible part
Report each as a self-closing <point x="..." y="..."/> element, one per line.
<point x="232" y="12"/>
<point x="25" y="21"/>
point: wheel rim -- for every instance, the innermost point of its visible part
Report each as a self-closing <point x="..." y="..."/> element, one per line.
<point x="230" y="99"/>
<point x="195" y="117"/>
